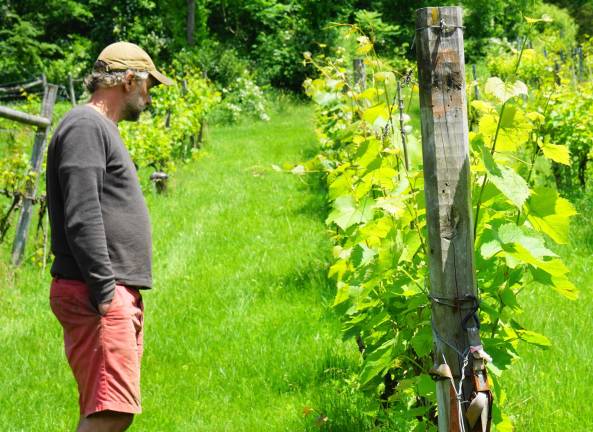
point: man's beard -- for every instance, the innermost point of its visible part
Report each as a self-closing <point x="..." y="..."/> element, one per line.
<point x="133" y="108"/>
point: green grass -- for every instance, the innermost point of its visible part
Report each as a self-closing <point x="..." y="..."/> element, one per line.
<point x="238" y="328"/>
<point x="239" y="332"/>
<point x="550" y="390"/>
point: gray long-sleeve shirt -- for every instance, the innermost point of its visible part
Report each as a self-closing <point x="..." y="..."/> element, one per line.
<point x="100" y="226"/>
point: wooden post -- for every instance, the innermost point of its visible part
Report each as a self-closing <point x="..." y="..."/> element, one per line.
<point x="400" y="107"/>
<point x="476" y="89"/>
<point x="557" y="78"/>
<point x="360" y="74"/>
<point x="443" y="109"/>
<point x="203" y="123"/>
<point x="71" y="90"/>
<point x="18" y="247"/>
<point x="581" y="63"/>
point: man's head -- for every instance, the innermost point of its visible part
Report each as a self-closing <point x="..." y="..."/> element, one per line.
<point x="126" y="72"/>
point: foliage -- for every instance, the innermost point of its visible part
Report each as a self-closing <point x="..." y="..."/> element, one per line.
<point x="558" y="74"/>
<point x="150" y="141"/>
<point x="379" y="229"/>
<point x="154" y="143"/>
<point x="269" y="34"/>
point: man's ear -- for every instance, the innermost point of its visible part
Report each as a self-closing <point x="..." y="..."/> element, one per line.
<point x="128" y="79"/>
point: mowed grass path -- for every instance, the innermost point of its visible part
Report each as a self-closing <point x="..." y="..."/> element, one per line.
<point x="238" y="327"/>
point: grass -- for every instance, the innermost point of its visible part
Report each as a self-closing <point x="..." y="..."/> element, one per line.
<point x="239" y="332"/>
<point x="550" y="390"/>
<point x="238" y="328"/>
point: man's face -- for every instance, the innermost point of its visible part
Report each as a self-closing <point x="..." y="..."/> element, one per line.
<point x="137" y="98"/>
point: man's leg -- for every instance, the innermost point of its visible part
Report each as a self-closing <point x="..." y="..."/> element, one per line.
<point x="105" y="421"/>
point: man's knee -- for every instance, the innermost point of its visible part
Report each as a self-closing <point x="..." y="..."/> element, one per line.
<point x="106" y="421"/>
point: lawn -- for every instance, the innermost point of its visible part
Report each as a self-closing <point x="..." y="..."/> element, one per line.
<point x="238" y="327"/>
<point x="240" y="335"/>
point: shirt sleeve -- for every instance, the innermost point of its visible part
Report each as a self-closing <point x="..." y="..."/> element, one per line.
<point x="81" y="168"/>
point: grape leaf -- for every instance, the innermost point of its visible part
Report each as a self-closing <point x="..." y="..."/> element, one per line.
<point x="507" y="181"/>
<point x="557" y="153"/>
<point x="549" y="213"/>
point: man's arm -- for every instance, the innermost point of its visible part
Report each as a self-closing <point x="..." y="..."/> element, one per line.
<point x="81" y="167"/>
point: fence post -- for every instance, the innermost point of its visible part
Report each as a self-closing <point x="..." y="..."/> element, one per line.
<point x="203" y="123"/>
<point x="476" y="88"/>
<point x="47" y="108"/>
<point x="71" y="90"/>
<point x="443" y="109"/>
<point x="360" y="74"/>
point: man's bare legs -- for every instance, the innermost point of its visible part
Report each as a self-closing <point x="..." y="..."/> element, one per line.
<point x="105" y="421"/>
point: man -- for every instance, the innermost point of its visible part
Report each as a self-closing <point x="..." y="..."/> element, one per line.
<point x="101" y="238"/>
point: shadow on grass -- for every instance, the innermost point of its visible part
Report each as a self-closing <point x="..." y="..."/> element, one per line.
<point x="316" y="204"/>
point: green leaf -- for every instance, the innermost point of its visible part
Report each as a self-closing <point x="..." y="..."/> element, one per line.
<point x="412" y="243"/>
<point x="425" y="386"/>
<point x="342" y="294"/>
<point x="549" y="213"/>
<point x="377" y="362"/>
<point x="422" y="341"/>
<point x="394" y="205"/>
<point x="560" y="284"/>
<point x="502" y="91"/>
<point x="508" y="297"/>
<point x="557" y="153"/>
<point x="362" y="255"/>
<point x="368" y="152"/>
<point x="377" y="115"/>
<point x="483" y="107"/>
<point x="565" y="287"/>
<point x="511" y="233"/>
<point x="346" y="214"/>
<point x="507" y="181"/>
<point x="534" y="338"/>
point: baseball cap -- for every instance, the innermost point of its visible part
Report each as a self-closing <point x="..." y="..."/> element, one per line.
<point x="125" y="55"/>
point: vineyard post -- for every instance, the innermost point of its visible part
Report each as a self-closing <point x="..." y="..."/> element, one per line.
<point x="458" y="356"/>
<point x="581" y="65"/>
<point x="476" y="89"/>
<point x="71" y="92"/>
<point x="360" y="74"/>
<point x="203" y="123"/>
<point x="47" y="107"/>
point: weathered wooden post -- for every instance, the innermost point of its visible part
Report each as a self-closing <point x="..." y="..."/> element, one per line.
<point x="476" y="88"/>
<point x="71" y="92"/>
<point x="49" y="99"/>
<point x="360" y="74"/>
<point x="581" y="63"/>
<point x="459" y="358"/>
<point x="203" y="123"/>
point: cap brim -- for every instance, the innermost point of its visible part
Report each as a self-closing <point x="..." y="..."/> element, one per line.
<point x="161" y="78"/>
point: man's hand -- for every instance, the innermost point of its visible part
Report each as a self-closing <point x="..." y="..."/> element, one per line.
<point x="104" y="307"/>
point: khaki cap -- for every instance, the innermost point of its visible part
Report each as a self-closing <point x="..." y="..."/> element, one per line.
<point x="126" y="55"/>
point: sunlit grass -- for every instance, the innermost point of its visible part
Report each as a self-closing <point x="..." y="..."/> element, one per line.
<point x="550" y="390"/>
<point x="238" y="328"/>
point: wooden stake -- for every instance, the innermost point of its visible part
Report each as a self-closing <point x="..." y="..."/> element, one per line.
<point x="203" y="123"/>
<point x="476" y="89"/>
<point x="18" y="247"/>
<point x="71" y="90"/>
<point x="360" y="74"/>
<point x="443" y="109"/>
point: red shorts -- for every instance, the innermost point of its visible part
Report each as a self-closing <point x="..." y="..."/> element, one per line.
<point x="104" y="352"/>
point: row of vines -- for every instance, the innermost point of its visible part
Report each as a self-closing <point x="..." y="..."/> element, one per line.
<point x="528" y="147"/>
<point x="166" y="134"/>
